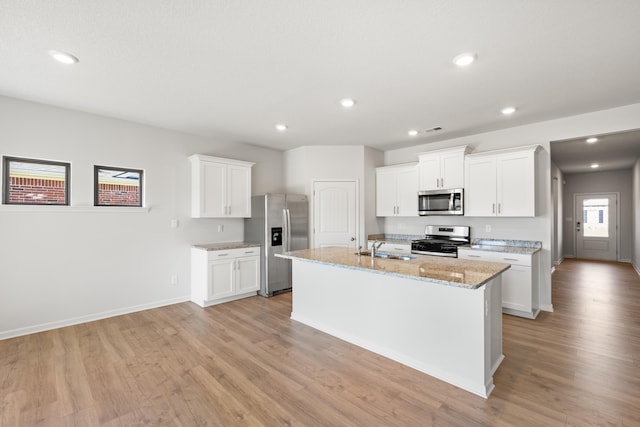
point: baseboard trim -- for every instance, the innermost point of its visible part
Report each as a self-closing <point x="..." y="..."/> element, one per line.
<point x="88" y="318"/>
<point x="547" y="307"/>
<point x="636" y="268"/>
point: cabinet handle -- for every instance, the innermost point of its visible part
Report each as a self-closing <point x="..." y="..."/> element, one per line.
<point x="223" y="254"/>
<point x="474" y="256"/>
<point x="499" y="207"/>
<point x="509" y="259"/>
<point x="493" y="208"/>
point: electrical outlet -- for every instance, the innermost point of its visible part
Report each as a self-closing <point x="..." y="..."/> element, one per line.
<point x="174" y="223"/>
<point x="220" y="228"/>
<point x="487" y="228"/>
<point x="174" y="280"/>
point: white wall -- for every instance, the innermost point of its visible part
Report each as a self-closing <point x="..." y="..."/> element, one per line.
<point x="600" y="182"/>
<point x="305" y="164"/>
<point x="557" y="212"/>
<point x="538" y="228"/>
<point x="635" y="259"/>
<point x="64" y="265"/>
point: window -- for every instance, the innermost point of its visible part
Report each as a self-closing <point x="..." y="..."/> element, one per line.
<point x="35" y="182"/>
<point x="117" y="186"/>
<point x="596" y="217"/>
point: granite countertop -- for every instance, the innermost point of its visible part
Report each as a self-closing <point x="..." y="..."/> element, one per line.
<point x="395" y="238"/>
<point x="447" y="271"/>
<point x="225" y="246"/>
<point x="524" y="247"/>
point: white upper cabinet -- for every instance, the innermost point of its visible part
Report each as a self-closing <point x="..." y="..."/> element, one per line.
<point x="220" y="187"/>
<point x="442" y="169"/>
<point x="501" y="183"/>
<point x="397" y="190"/>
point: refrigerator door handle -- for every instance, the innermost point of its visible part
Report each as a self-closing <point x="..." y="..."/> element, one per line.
<point x="287" y="233"/>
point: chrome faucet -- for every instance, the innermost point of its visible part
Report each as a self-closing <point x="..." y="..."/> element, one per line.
<point x="376" y="245"/>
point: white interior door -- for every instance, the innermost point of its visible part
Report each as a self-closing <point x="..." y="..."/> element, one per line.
<point x="597" y="226"/>
<point x="335" y="206"/>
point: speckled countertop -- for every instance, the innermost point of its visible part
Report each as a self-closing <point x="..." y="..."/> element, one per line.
<point x="395" y="238"/>
<point x="526" y="247"/>
<point x="225" y="246"/>
<point x="448" y="271"/>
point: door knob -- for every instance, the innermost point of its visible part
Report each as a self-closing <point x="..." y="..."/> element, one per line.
<point x="353" y="239"/>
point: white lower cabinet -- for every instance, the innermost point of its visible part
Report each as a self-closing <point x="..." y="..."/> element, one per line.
<point x="520" y="295"/>
<point x="393" y="247"/>
<point x="219" y="276"/>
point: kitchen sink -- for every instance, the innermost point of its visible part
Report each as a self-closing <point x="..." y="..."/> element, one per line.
<point x="388" y="255"/>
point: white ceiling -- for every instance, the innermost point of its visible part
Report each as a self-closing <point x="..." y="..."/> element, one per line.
<point x="611" y="152"/>
<point x="234" y="68"/>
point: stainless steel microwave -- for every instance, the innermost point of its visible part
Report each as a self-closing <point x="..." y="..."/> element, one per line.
<point x="441" y="202"/>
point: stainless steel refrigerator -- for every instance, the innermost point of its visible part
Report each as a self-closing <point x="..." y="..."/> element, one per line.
<point x="279" y="223"/>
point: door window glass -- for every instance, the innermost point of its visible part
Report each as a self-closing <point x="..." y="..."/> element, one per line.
<point x="596" y="217"/>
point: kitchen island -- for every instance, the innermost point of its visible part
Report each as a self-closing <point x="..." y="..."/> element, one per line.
<point x="441" y="316"/>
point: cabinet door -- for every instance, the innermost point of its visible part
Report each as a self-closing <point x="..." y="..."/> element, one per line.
<point x="386" y="182"/>
<point x="247" y="274"/>
<point x="480" y="187"/>
<point x="516" y="184"/>
<point x="213" y="181"/>
<point x="407" y="192"/>
<point x="452" y="170"/>
<point x="221" y="276"/>
<point x="239" y="191"/>
<point x="429" y="167"/>
<point x="516" y="288"/>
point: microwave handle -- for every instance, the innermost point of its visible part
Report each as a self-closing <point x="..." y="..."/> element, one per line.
<point x="451" y="200"/>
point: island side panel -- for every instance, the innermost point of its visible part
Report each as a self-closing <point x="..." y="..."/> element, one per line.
<point x="438" y="329"/>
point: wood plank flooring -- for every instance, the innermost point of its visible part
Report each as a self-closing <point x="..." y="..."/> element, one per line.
<point x="247" y="363"/>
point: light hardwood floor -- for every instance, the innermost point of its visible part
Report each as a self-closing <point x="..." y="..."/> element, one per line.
<point x="247" y="363"/>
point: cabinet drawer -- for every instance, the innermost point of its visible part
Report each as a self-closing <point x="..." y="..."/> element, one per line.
<point x="398" y="248"/>
<point x="234" y="253"/>
<point x="508" y="258"/>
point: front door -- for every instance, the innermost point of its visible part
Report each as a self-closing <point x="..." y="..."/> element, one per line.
<point x="335" y="207"/>
<point x="597" y="226"/>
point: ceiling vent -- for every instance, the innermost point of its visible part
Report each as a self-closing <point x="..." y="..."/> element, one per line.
<point x="435" y="129"/>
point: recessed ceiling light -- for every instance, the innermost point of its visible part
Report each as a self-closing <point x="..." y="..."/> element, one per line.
<point x="64" y="57"/>
<point x="347" y="102"/>
<point x="464" y="59"/>
<point x="594" y="166"/>
<point x="281" y="127"/>
<point x="508" y="110"/>
<point x="412" y="132"/>
<point x="592" y="140"/>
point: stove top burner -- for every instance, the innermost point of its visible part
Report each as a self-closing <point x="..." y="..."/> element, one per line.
<point x="441" y="240"/>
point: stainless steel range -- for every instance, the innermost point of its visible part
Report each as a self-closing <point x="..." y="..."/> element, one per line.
<point x="441" y="240"/>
